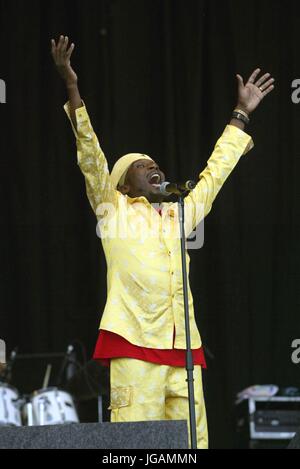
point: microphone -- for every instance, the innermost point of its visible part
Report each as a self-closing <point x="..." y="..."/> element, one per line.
<point x="168" y="188"/>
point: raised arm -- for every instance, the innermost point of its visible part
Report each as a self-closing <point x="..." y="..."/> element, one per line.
<point x="91" y="159"/>
<point x="233" y="143"/>
<point x="62" y="58"/>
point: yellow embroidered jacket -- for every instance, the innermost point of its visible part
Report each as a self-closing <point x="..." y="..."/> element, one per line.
<point x="142" y="249"/>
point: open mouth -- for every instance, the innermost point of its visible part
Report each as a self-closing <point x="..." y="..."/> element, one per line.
<point x="154" y="179"/>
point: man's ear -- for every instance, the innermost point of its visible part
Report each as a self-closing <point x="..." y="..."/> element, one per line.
<point x="124" y="189"/>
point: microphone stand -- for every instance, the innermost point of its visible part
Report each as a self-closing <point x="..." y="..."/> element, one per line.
<point x="189" y="356"/>
<point x="6" y="374"/>
<point x="67" y="359"/>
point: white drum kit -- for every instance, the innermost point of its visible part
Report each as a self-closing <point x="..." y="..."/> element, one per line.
<point x="49" y="406"/>
<point x="45" y="406"/>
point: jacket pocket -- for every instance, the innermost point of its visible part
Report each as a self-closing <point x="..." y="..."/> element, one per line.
<point x="120" y="397"/>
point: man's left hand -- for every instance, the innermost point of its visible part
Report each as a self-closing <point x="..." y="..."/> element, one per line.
<point x="251" y="94"/>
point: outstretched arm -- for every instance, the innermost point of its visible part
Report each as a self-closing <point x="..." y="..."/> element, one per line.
<point x="62" y="58"/>
<point x="229" y="148"/>
<point x="90" y="156"/>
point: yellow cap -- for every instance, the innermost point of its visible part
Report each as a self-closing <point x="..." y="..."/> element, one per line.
<point x="121" y="167"/>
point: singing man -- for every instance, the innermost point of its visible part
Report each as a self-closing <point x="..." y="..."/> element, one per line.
<point x="142" y="331"/>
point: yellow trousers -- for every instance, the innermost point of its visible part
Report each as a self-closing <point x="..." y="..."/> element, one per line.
<point x="147" y="391"/>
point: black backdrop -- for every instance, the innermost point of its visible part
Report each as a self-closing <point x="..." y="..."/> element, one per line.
<point x="158" y="76"/>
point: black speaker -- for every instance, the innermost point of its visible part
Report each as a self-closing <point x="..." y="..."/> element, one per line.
<point x="295" y="442"/>
<point x="164" y="434"/>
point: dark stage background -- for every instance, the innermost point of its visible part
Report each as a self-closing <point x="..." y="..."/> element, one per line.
<point x="158" y="77"/>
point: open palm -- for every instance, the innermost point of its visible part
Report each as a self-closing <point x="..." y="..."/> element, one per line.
<point x="62" y="58"/>
<point x="251" y="94"/>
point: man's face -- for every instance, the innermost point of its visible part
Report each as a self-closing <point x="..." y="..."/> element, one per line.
<point x="142" y="179"/>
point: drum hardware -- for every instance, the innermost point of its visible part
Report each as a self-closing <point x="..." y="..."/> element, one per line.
<point x="47" y="376"/>
<point x="47" y="405"/>
<point x="6" y="368"/>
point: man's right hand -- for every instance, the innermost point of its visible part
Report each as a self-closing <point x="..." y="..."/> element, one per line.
<point x="62" y="59"/>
